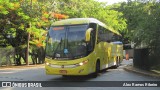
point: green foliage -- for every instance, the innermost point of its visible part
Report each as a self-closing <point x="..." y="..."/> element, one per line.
<point x="143" y="21"/>
<point x="20" y="17"/>
<point x="5" y="6"/>
<point x="93" y="9"/>
<point x="7" y="55"/>
<point x="136" y="20"/>
<point x="26" y="16"/>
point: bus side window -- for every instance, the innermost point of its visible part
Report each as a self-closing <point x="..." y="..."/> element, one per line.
<point x="93" y="36"/>
<point x="109" y="36"/>
<point x="101" y="34"/>
<point x="116" y="37"/>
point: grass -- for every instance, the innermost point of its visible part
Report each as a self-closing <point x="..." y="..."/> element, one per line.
<point x="29" y="60"/>
<point x="157" y="67"/>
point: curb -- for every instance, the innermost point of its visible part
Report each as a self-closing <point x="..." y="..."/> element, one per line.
<point x="142" y="72"/>
<point x="22" y="67"/>
<point x="156" y="71"/>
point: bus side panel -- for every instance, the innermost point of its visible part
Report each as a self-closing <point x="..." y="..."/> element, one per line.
<point x="112" y="54"/>
<point x="92" y="57"/>
<point x="103" y="53"/>
<point x="106" y="54"/>
<point x="120" y="52"/>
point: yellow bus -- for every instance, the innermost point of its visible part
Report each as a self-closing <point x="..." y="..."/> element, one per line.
<point x="81" y="46"/>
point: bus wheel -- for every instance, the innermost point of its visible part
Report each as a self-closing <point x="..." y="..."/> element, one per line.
<point x="117" y="62"/>
<point x="97" y="69"/>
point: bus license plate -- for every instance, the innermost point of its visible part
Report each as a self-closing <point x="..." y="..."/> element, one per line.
<point x="63" y="71"/>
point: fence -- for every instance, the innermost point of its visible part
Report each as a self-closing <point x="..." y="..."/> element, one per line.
<point x="144" y="59"/>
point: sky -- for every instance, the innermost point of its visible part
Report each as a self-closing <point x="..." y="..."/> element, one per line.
<point x="111" y="1"/>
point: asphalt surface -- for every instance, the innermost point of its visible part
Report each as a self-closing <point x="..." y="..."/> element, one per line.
<point x="38" y="74"/>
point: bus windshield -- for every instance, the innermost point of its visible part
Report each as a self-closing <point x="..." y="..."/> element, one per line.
<point x="66" y="42"/>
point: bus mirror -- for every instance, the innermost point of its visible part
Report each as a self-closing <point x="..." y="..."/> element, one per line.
<point x="126" y="46"/>
<point x="129" y="46"/>
<point x="88" y="34"/>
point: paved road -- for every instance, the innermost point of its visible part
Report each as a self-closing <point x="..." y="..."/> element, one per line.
<point x="38" y="74"/>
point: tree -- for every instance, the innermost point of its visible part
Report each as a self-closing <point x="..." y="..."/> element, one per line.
<point x="143" y="24"/>
<point x="20" y="17"/>
<point x="93" y="9"/>
<point x="16" y="17"/>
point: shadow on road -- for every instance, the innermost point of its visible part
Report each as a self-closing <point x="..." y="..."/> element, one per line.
<point x="78" y="78"/>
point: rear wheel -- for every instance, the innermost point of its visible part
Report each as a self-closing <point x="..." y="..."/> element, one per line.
<point x="117" y="62"/>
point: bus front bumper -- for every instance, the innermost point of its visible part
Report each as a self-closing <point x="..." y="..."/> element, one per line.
<point x="79" y="70"/>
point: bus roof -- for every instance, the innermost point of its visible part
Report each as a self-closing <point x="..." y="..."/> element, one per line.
<point x="74" y="21"/>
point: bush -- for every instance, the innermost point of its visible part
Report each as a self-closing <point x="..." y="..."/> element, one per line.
<point x="7" y="55"/>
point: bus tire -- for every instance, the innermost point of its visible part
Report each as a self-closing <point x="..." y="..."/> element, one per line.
<point x="117" y="61"/>
<point x="97" y="69"/>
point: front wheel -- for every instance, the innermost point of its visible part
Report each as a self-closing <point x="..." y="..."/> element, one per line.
<point x="97" y="69"/>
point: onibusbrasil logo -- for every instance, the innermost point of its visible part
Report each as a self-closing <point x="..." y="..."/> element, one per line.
<point x="21" y="84"/>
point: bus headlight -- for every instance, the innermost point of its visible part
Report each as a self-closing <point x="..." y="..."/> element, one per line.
<point x="82" y="63"/>
<point x="47" y="63"/>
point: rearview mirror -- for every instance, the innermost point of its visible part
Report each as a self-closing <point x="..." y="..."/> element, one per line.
<point x="126" y="46"/>
<point x="88" y="34"/>
<point x="129" y="46"/>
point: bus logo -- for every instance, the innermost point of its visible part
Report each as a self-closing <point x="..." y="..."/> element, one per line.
<point x="62" y="66"/>
<point x="6" y="84"/>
